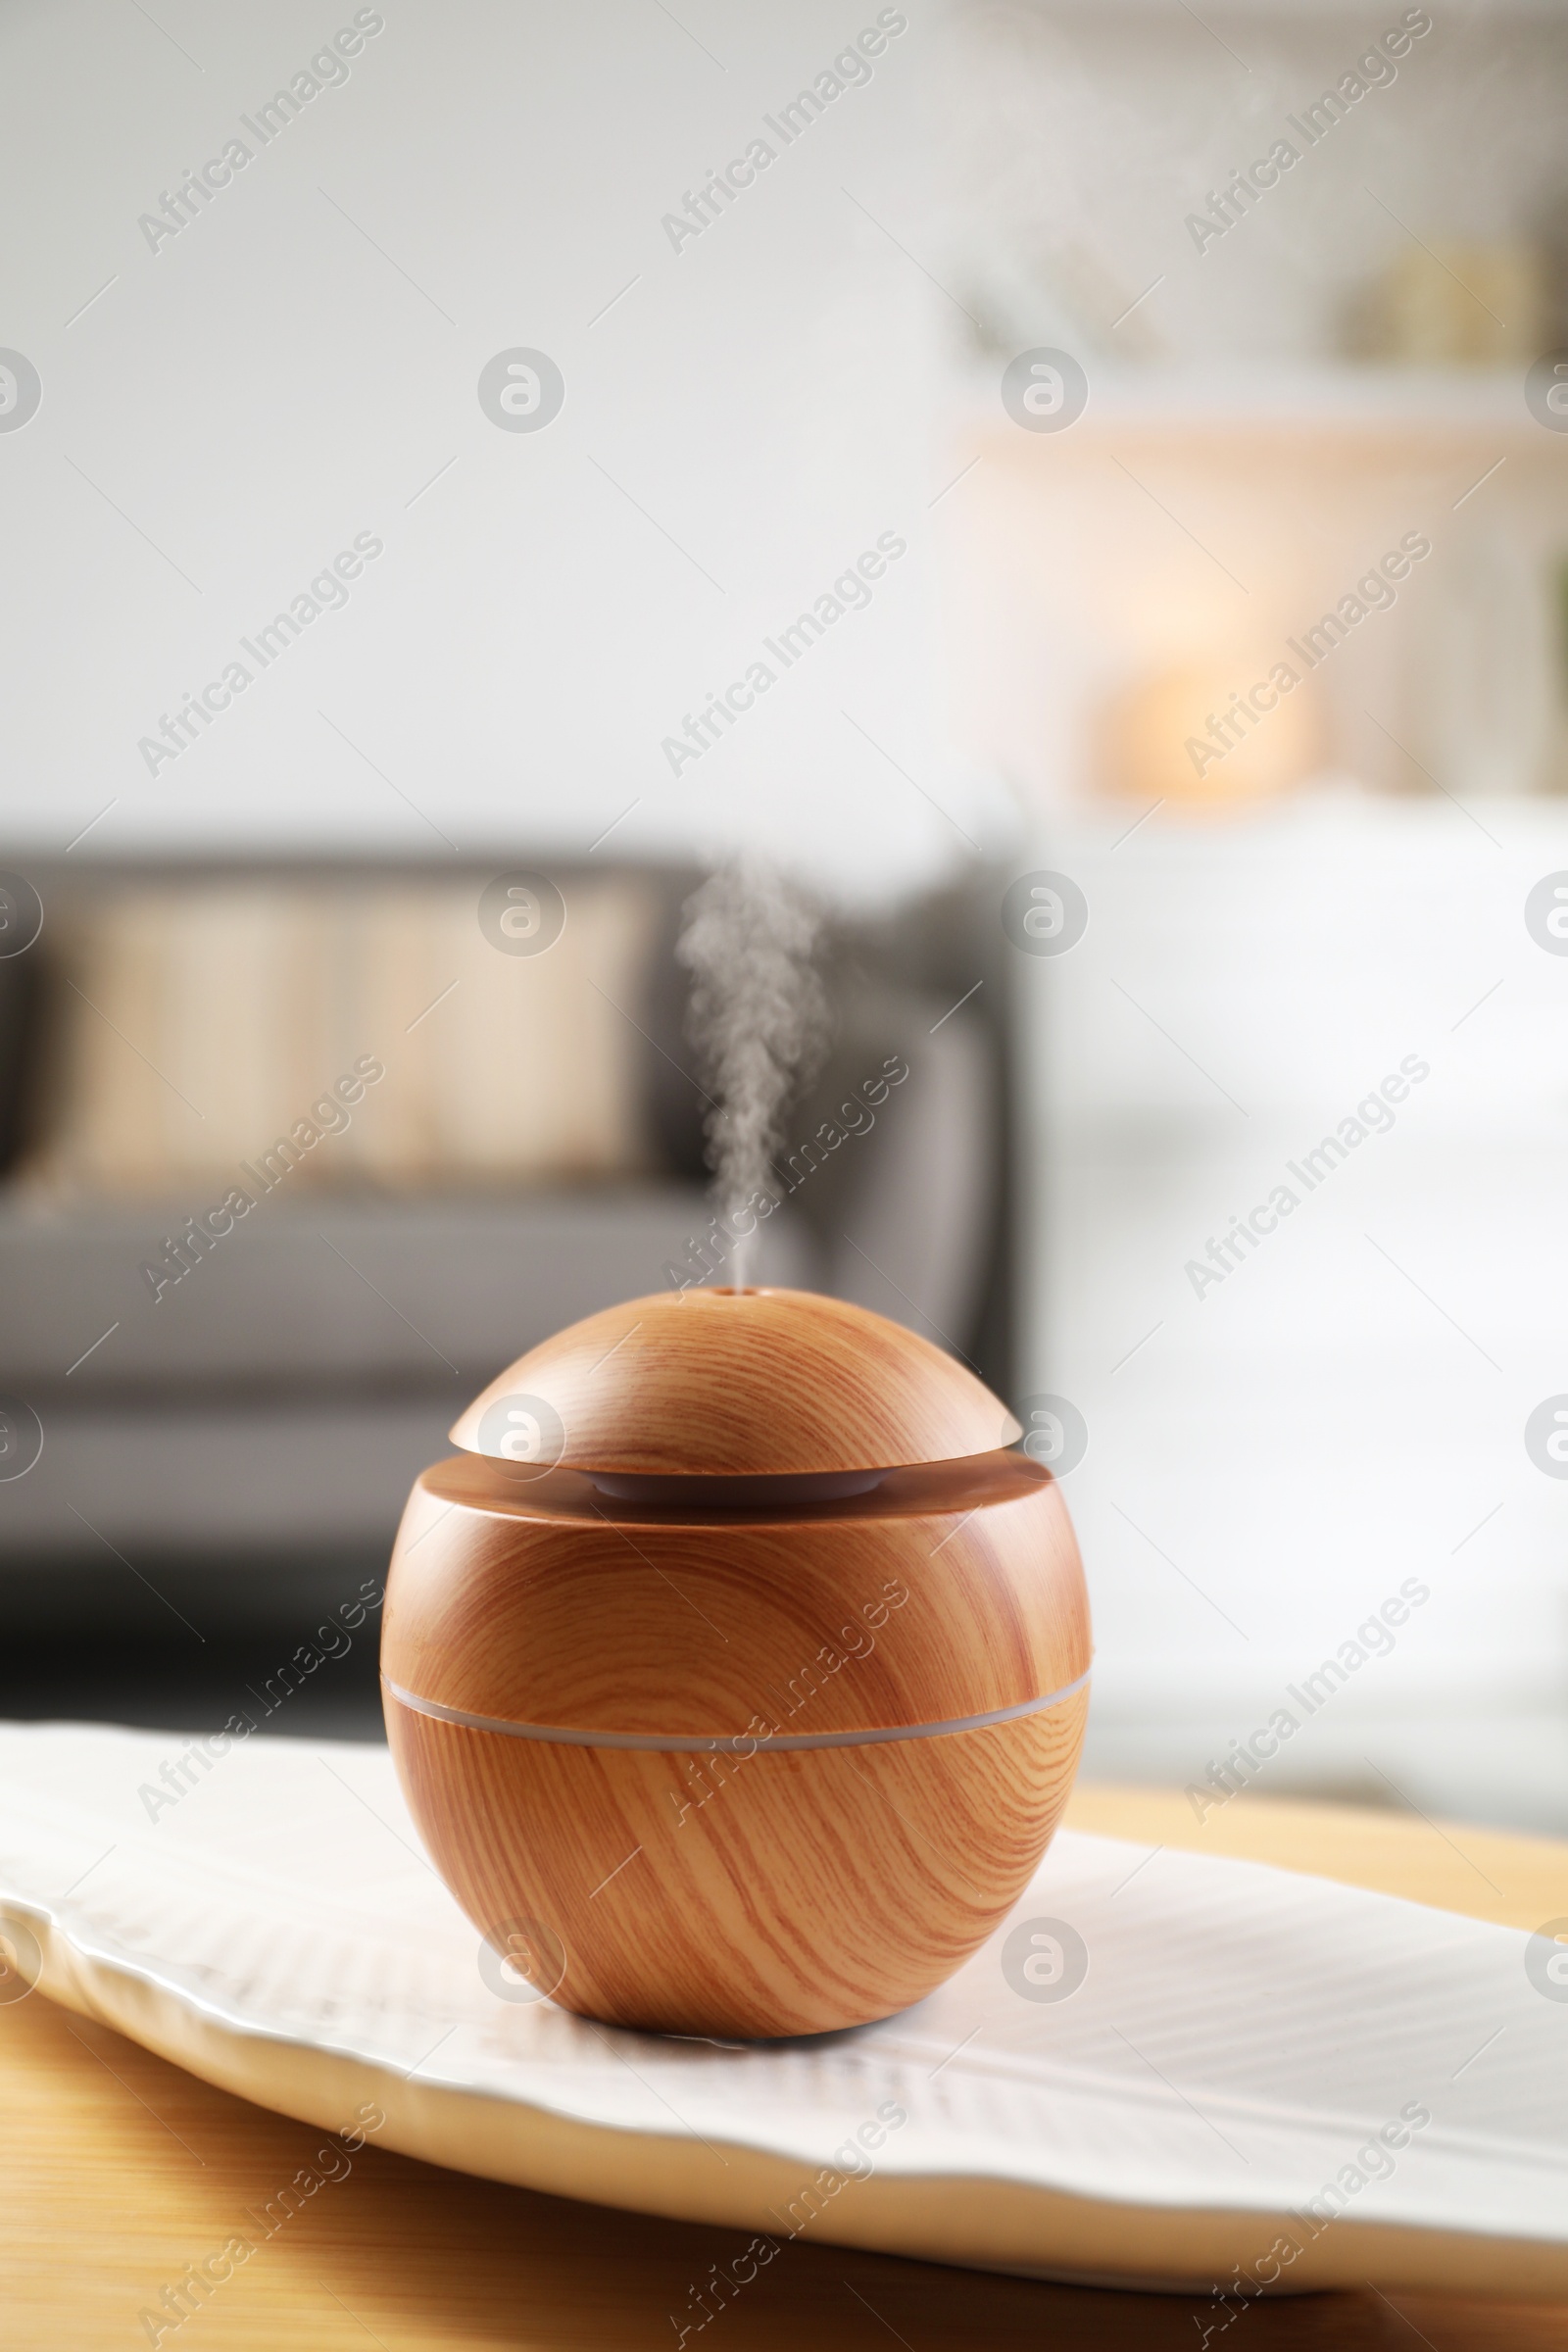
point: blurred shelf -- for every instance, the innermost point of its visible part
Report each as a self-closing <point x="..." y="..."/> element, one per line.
<point x="1324" y="820"/>
<point x="1340" y="402"/>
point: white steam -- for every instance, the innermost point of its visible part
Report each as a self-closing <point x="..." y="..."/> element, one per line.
<point x="758" y="1019"/>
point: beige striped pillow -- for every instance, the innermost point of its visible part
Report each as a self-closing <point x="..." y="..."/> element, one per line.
<point x="200" y="1022"/>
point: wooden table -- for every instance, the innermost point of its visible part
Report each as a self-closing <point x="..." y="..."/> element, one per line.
<point x="118" y="2169"/>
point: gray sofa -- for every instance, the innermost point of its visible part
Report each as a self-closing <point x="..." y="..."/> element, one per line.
<point x="267" y="1415"/>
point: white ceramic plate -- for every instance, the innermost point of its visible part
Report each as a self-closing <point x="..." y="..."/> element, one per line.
<point x="1244" y="2041"/>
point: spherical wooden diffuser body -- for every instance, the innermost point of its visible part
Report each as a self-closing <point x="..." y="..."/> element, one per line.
<point x="736" y="1677"/>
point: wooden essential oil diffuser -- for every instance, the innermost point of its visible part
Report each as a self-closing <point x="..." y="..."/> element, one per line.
<point x="735" y="1673"/>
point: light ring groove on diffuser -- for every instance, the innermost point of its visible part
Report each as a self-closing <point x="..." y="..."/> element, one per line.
<point x="740" y="1743"/>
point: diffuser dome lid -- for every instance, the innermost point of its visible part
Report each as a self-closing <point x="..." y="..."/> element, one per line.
<point x="763" y="1383"/>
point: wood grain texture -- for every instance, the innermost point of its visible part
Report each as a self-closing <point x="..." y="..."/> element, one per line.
<point x="744" y="1895"/>
<point x="798" y="1891"/>
<point x="770" y="1892"/>
<point x="121" y="2168"/>
<point x="743" y="1384"/>
<point x="1501" y="1875"/>
<point x="945" y="1593"/>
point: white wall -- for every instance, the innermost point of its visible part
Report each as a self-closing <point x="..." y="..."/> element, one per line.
<point x="1274" y="1452"/>
<point x="240" y="402"/>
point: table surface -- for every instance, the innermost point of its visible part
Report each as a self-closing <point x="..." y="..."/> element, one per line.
<point x="120" y="2169"/>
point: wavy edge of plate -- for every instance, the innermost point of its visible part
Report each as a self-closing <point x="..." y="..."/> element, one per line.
<point x="975" y="2221"/>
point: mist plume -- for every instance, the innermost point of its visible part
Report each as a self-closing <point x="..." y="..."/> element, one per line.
<point x="758" y="1018"/>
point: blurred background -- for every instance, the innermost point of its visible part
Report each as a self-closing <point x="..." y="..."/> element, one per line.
<point x="1084" y="487"/>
